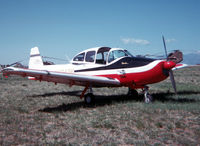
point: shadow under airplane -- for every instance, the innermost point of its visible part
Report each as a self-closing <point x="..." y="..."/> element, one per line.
<point x="107" y="100"/>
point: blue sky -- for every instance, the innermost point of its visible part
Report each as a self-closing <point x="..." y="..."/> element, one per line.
<point x="63" y="28"/>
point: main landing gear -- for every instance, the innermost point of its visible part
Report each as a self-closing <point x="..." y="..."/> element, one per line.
<point x="89" y="98"/>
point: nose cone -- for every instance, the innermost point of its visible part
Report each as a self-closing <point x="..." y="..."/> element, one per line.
<point x="169" y="65"/>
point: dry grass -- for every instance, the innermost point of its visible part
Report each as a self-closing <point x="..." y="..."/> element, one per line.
<point x="34" y="113"/>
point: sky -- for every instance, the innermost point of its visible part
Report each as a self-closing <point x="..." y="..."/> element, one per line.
<point x="63" y="28"/>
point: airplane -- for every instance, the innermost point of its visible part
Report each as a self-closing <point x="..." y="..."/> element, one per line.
<point x="103" y="67"/>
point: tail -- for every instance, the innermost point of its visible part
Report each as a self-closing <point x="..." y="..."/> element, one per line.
<point x="35" y="61"/>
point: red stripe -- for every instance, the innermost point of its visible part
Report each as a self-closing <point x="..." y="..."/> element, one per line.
<point x="141" y="79"/>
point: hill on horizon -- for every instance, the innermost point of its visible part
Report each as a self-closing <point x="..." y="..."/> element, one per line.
<point x="192" y="58"/>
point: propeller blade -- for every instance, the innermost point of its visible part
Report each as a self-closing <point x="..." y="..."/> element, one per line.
<point x="172" y="80"/>
<point x="170" y="72"/>
<point x="165" y="46"/>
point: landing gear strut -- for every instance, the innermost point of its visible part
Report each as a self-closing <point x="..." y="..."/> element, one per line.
<point x="89" y="98"/>
<point x="147" y="97"/>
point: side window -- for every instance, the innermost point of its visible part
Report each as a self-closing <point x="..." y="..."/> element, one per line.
<point x="79" y="57"/>
<point x="101" y="57"/>
<point x="102" y="53"/>
<point x="90" y="56"/>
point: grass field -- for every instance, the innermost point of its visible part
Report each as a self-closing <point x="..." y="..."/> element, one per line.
<point x="34" y="113"/>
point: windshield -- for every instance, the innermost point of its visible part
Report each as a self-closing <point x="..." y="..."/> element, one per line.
<point x="113" y="55"/>
<point x="116" y="54"/>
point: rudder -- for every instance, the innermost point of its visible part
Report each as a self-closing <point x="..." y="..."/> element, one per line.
<point x="35" y="61"/>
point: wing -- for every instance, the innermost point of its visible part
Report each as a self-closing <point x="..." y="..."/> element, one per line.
<point x="61" y="77"/>
<point x="181" y="65"/>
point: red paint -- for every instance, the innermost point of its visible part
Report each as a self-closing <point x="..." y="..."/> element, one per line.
<point x="178" y="65"/>
<point x="139" y="80"/>
<point x="169" y="64"/>
<point x="5" y="75"/>
<point x="84" y="91"/>
<point x="32" y="78"/>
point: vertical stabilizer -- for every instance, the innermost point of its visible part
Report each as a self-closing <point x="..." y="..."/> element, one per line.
<point x="35" y="61"/>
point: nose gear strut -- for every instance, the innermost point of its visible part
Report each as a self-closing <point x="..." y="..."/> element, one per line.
<point x="147" y="97"/>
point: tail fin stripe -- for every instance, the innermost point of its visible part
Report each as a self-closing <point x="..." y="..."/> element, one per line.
<point x="35" y="55"/>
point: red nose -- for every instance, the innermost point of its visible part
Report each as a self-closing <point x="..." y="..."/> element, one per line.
<point x="169" y="64"/>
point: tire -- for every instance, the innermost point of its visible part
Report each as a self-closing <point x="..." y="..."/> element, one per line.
<point x="89" y="99"/>
<point x="148" y="98"/>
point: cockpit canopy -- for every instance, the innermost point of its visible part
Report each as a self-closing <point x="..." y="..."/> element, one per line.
<point x="102" y="55"/>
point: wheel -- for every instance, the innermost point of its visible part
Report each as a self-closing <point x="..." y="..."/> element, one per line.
<point x="132" y="93"/>
<point x="89" y="99"/>
<point x="147" y="98"/>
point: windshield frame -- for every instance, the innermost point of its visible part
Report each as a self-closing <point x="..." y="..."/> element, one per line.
<point x="128" y="53"/>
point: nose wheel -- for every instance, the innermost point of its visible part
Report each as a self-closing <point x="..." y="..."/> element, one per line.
<point x="147" y="97"/>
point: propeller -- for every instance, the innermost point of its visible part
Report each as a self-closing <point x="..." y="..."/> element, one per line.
<point x="170" y="72"/>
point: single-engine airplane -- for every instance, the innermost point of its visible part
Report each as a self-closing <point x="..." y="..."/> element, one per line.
<point x="102" y="67"/>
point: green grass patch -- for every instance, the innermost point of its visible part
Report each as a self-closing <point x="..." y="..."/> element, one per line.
<point x="40" y="113"/>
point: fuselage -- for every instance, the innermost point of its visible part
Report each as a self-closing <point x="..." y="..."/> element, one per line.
<point x="116" y="63"/>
